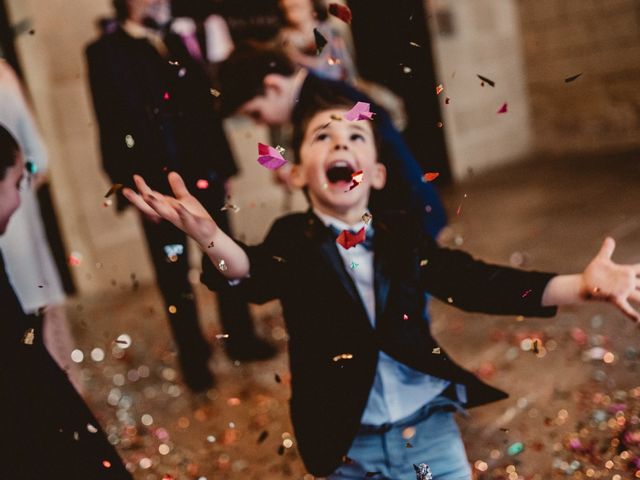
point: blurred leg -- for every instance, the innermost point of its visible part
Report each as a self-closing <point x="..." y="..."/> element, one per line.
<point x="172" y="277"/>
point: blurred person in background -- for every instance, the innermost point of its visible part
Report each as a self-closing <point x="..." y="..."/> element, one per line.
<point x="301" y="18"/>
<point x="155" y="114"/>
<point x="49" y="432"/>
<point x="29" y="260"/>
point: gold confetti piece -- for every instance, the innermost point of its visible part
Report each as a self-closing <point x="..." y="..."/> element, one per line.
<point x="114" y="188"/>
<point x="436" y="351"/>
<point x="406" y="69"/>
<point x="172" y="309"/>
<point x="222" y="335"/>
<point x="414" y="44"/>
<point x="424" y="262"/>
<point x="76" y="436"/>
<point x="343" y="356"/>
<point x="222" y="265"/>
<point x="278" y="259"/>
<point x="230" y="206"/>
<point x="129" y="141"/>
<point x="367" y="217"/>
<point x="91" y="428"/>
<point x="215" y="93"/>
<point x="280" y="149"/>
<point x="106" y="464"/>
<point x="29" y="336"/>
<point x="450" y="299"/>
<point x="335" y="117"/>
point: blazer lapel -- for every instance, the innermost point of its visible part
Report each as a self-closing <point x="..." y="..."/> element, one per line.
<point x="381" y="280"/>
<point x="319" y="233"/>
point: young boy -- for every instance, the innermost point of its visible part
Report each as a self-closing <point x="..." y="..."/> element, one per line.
<point x="364" y="365"/>
<point x="49" y="431"/>
<point x="264" y="84"/>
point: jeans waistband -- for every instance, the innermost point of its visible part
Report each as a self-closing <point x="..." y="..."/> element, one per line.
<point x="438" y="404"/>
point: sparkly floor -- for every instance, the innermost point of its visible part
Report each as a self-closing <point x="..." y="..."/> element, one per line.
<point x="572" y="411"/>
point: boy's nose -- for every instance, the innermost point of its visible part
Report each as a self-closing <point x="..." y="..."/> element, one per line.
<point x="340" y="146"/>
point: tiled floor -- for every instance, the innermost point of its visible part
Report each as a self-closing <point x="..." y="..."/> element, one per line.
<point x="548" y="214"/>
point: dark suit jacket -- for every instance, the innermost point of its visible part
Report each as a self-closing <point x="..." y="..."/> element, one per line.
<point x="299" y="263"/>
<point x="166" y="109"/>
<point x="42" y="410"/>
<point x="405" y="189"/>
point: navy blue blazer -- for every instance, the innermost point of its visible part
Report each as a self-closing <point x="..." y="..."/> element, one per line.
<point x="299" y="263"/>
<point x="405" y="190"/>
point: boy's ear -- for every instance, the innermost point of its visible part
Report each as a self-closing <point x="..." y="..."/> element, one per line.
<point x="379" y="176"/>
<point x="296" y="177"/>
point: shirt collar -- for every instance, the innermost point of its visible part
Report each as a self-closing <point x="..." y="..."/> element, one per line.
<point x="329" y="220"/>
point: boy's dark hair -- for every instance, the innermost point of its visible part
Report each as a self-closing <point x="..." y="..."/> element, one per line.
<point x="242" y="74"/>
<point x="9" y="150"/>
<point x="324" y="99"/>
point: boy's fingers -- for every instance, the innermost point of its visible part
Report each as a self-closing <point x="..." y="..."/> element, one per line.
<point x="138" y="202"/>
<point x="178" y="187"/>
<point x="608" y="246"/>
<point x="141" y="185"/>
<point x="628" y="310"/>
<point x="635" y="296"/>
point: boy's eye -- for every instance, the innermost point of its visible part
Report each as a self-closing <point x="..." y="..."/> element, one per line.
<point x="356" y="136"/>
<point x="322" y="136"/>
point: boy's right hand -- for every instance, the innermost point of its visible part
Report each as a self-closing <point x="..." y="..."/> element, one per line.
<point x="183" y="210"/>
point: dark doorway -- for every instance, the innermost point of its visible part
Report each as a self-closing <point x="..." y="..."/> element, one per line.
<point x="393" y="47"/>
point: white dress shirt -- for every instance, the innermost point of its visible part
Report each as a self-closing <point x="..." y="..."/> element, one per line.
<point x="398" y="391"/>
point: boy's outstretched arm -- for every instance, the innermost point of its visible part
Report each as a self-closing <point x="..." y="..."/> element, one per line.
<point x="188" y="214"/>
<point x="601" y="280"/>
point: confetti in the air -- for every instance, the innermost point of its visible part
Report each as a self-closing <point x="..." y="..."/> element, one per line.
<point x="459" y="209"/>
<point x="341" y="11"/>
<point x="430" y="176"/>
<point x="436" y="351"/>
<point x="129" y="141"/>
<point x="215" y="93"/>
<point x="423" y="472"/>
<point x="572" y="78"/>
<point x="439" y="89"/>
<point x="29" y="336"/>
<point x="356" y="179"/>
<point x="31" y="167"/>
<point x="360" y="111"/>
<point x="222" y="265"/>
<point x="202" y="184"/>
<point x="230" y="206"/>
<point x="503" y="108"/>
<point x="114" y="188"/>
<point x="424" y="262"/>
<point x="270" y="157"/>
<point x="343" y="356"/>
<point x="320" y="40"/>
<point x="366" y="218"/>
<point x="173" y="251"/>
<point x="220" y="336"/>
<point x="75" y="259"/>
<point x="486" y="80"/>
<point x="346" y="239"/>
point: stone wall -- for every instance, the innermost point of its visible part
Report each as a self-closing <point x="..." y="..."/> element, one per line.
<point x="599" y="111"/>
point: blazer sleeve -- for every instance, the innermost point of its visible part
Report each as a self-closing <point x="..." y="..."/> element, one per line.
<point x="457" y="278"/>
<point x="107" y="97"/>
<point x="267" y="274"/>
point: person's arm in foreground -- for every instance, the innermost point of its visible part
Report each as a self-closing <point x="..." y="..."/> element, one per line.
<point x="186" y="213"/>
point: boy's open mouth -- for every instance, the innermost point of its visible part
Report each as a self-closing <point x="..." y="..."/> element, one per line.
<point x="339" y="171"/>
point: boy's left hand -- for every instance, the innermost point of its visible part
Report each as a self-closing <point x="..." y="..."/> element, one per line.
<point x="605" y="280"/>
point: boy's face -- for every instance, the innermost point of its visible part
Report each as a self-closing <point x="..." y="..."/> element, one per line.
<point x="10" y="192"/>
<point x="331" y="151"/>
<point x="275" y="105"/>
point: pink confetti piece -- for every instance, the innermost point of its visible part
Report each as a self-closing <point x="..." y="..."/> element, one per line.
<point x="503" y="108"/>
<point x="269" y="157"/>
<point x="360" y="111"/>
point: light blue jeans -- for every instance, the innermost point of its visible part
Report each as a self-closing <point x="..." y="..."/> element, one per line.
<point x="436" y="442"/>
